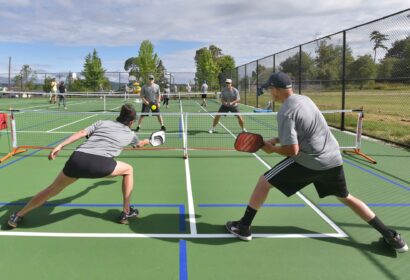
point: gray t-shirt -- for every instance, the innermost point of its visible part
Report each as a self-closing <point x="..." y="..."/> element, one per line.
<point x="229" y="95"/>
<point x="107" y="139"/>
<point x="204" y="88"/>
<point x="150" y="93"/>
<point x="300" y="122"/>
<point x="166" y="93"/>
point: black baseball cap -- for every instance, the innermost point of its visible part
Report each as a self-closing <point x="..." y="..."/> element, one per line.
<point x="278" y="80"/>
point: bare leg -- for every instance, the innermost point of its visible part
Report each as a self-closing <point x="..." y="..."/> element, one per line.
<point x="240" y="121"/>
<point x="60" y="182"/>
<point x="260" y="193"/>
<point x="161" y="121"/>
<point x="126" y="171"/>
<point x="140" y="120"/>
<point x="216" y="121"/>
<point x="358" y="206"/>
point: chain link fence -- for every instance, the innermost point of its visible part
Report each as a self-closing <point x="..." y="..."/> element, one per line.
<point x="366" y="66"/>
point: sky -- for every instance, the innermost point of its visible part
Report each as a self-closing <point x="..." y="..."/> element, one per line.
<point x="55" y="36"/>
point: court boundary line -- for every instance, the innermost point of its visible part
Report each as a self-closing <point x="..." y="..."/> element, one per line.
<point x="164" y="235"/>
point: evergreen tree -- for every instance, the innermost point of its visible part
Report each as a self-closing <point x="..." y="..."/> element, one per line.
<point x="378" y="39"/>
<point x="94" y="73"/>
<point x="146" y="63"/>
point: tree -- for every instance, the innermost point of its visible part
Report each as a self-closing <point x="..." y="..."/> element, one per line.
<point x="146" y="63"/>
<point x="212" y="59"/>
<point x="26" y="78"/>
<point x="328" y="60"/>
<point x="94" y="73"/>
<point x="401" y="68"/>
<point x="378" y="39"/>
<point x="226" y="64"/>
<point x="162" y="80"/>
<point x="398" y="47"/>
<point x="291" y="66"/>
<point x="206" y="68"/>
<point x="396" y="63"/>
<point x="47" y="84"/>
<point x="363" y="69"/>
<point x="385" y="68"/>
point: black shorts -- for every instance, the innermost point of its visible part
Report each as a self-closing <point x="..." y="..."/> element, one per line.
<point x="147" y="109"/>
<point x="203" y="95"/>
<point x="83" y="165"/>
<point x="226" y="109"/>
<point x="290" y="177"/>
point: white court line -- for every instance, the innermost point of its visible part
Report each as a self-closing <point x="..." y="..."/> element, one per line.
<point x="51" y="130"/>
<point x="190" y="197"/>
<point x="158" y="235"/>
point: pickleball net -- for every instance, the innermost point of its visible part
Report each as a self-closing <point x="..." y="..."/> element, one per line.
<point x="186" y="132"/>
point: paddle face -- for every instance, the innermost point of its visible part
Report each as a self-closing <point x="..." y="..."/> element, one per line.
<point x="248" y="142"/>
<point x="157" y="138"/>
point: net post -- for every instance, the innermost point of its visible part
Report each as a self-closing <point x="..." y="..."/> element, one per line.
<point x="185" y="135"/>
<point x="14" y="147"/>
<point x="358" y="144"/>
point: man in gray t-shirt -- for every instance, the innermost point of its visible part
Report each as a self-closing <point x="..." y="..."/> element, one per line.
<point x="229" y="103"/>
<point x="312" y="156"/>
<point x="151" y="101"/>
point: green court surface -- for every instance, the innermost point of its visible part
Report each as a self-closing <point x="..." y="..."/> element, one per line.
<point x="184" y="205"/>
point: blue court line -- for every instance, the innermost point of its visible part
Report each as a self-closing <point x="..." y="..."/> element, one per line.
<point x="303" y="205"/>
<point x="368" y="204"/>
<point x="244" y="205"/>
<point x="183" y="268"/>
<point x="180" y="127"/>
<point x="377" y="175"/>
<point x="30" y="154"/>
<point x="180" y="207"/>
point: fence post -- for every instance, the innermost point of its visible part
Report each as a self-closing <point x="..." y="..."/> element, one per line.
<point x="300" y="69"/>
<point x="246" y="103"/>
<point x="342" y="124"/>
<point x="257" y="83"/>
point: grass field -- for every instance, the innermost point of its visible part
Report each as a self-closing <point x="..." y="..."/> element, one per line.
<point x="387" y="113"/>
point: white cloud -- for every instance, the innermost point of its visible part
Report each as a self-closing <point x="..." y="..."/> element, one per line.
<point x="244" y="29"/>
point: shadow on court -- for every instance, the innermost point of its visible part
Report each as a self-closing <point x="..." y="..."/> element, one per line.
<point x="43" y="215"/>
<point x="373" y="167"/>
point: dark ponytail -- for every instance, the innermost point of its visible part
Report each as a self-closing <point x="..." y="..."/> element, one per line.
<point x="127" y="114"/>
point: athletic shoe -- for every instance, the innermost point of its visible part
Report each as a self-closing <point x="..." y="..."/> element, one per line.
<point x="396" y="242"/>
<point x="14" y="220"/>
<point x="211" y="130"/>
<point x="244" y="130"/>
<point x="137" y="129"/>
<point x="239" y="230"/>
<point x="163" y="128"/>
<point x="132" y="213"/>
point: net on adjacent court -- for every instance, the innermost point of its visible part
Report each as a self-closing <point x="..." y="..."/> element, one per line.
<point x="186" y="132"/>
<point x="72" y="101"/>
<point x="97" y="101"/>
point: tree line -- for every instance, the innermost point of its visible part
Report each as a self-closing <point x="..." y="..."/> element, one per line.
<point x="326" y="63"/>
<point x="210" y="64"/>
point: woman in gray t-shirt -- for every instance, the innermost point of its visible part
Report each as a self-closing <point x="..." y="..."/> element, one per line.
<point x="94" y="159"/>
